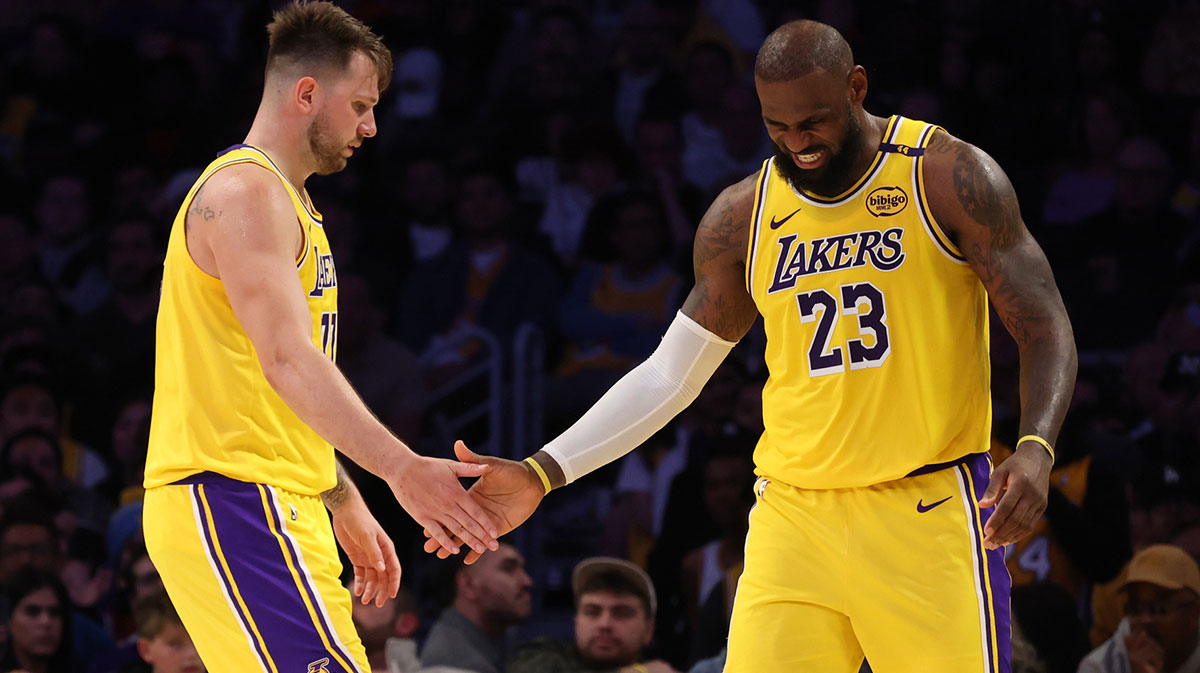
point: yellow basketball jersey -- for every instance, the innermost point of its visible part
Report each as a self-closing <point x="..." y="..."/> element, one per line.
<point x="213" y="408"/>
<point x="877" y="336"/>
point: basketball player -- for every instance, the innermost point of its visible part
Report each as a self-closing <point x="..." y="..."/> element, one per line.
<point x="248" y="403"/>
<point x="870" y="246"/>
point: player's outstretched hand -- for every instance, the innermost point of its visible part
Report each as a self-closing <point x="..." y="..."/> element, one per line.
<point x="371" y="552"/>
<point x="428" y="489"/>
<point x="509" y="492"/>
<point x="1021" y="485"/>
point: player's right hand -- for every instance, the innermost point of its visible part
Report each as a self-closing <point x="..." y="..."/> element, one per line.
<point x="428" y="489"/>
<point x="509" y="493"/>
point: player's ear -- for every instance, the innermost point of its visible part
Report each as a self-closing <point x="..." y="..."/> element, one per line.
<point x="858" y="84"/>
<point x="305" y="93"/>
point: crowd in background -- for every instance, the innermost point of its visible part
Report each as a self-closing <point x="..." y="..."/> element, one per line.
<point x="545" y="163"/>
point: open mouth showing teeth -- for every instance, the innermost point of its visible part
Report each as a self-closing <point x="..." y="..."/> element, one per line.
<point x="809" y="158"/>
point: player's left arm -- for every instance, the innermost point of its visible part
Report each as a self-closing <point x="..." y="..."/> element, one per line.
<point x="974" y="203"/>
<point x="362" y="538"/>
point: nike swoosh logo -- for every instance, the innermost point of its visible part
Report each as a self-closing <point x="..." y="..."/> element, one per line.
<point x="775" y="224"/>
<point x="922" y="508"/>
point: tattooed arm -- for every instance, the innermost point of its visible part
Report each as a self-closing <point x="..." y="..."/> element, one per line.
<point x="974" y="203"/>
<point x="343" y="491"/>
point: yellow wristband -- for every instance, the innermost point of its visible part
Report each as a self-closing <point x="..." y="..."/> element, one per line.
<point x="640" y="668"/>
<point x="1039" y="440"/>
<point x="540" y="472"/>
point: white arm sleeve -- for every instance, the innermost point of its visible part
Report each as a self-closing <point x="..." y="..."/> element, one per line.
<point x="643" y="401"/>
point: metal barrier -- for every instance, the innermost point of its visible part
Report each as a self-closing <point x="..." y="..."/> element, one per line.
<point x="450" y="423"/>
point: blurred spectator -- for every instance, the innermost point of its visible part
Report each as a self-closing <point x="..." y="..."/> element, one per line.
<point x="709" y="574"/>
<point x="616" y="311"/>
<point x="1102" y="265"/>
<point x="709" y="77"/>
<point x="115" y="343"/>
<point x="614" y="623"/>
<point x="18" y="253"/>
<point x="594" y="166"/>
<point x="164" y="645"/>
<point x="741" y="149"/>
<point x="29" y="541"/>
<point x="1161" y="630"/>
<point x="71" y="252"/>
<point x="39" y="622"/>
<point x="27" y="402"/>
<point x="659" y="148"/>
<point x="36" y="456"/>
<point x="1087" y="189"/>
<point x="388" y="632"/>
<point x="129" y="438"/>
<point x="1082" y="538"/>
<point x="384" y="372"/>
<point x="490" y="596"/>
<point x="1172" y="64"/>
<point x="426" y="200"/>
<point x="644" y="76"/>
<point x="484" y="279"/>
<point x="1047" y="618"/>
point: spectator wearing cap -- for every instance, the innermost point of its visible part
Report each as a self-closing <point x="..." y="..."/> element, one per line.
<point x="1161" y="630"/>
<point x="615" y="603"/>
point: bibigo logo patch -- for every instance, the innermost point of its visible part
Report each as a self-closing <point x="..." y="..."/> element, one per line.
<point x="886" y="201"/>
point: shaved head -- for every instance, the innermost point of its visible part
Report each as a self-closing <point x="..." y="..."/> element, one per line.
<point x="798" y="48"/>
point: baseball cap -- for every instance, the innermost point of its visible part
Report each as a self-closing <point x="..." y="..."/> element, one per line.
<point x="1166" y="566"/>
<point x="590" y="567"/>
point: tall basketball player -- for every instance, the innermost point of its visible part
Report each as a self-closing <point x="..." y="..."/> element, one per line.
<point x="870" y="246"/>
<point x="248" y="403"/>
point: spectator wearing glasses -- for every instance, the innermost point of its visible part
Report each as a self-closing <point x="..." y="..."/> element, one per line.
<point x="1161" y="629"/>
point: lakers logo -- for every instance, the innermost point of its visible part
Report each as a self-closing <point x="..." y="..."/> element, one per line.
<point x="319" y="666"/>
<point x="886" y="201"/>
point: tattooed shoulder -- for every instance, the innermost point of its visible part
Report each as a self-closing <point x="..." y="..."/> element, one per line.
<point x="200" y="210"/>
<point x="725" y="228"/>
<point x="968" y="188"/>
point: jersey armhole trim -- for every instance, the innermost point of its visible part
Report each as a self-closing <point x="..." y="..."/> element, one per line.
<point x="932" y="228"/>
<point x="187" y="206"/>
<point x="760" y="200"/>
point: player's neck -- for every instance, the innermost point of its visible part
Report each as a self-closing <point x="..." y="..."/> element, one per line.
<point x="872" y="135"/>
<point x="285" y="148"/>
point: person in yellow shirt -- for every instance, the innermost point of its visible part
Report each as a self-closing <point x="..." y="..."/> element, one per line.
<point x="870" y="246"/>
<point x="248" y="403"/>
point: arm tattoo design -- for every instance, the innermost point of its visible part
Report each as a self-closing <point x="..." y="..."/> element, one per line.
<point x="336" y="496"/>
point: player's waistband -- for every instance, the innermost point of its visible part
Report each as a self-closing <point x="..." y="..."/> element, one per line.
<point x="935" y="467"/>
<point x="209" y="477"/>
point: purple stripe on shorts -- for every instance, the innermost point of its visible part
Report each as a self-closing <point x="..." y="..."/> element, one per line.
<point x="330" y="633"/>
<point x="198" y="501"/>
<point x="261" y="573"/>
<point x="1001" y="584"/>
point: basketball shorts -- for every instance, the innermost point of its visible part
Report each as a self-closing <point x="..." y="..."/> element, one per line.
<point x="895" y="572"/>
<point x="253" y="572"/>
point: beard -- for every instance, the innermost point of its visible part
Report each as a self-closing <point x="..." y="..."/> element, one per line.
<point x="326" y="149"/>
<point x="836" y="175"/>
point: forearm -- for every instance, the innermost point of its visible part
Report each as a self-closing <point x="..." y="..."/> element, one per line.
<point x="342" y="493"/>
<point x="320" y="396"/>
<point x="640" y="404"/>
<point x="1048" y="366"/>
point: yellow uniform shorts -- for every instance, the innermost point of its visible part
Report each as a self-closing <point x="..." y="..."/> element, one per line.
<point x="253" y="571"/>
<point x="895" y="572"/>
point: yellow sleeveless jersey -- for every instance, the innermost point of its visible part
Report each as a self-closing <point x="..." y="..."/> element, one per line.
<point x="213" y="408"/>
<point x="877" y="334"/>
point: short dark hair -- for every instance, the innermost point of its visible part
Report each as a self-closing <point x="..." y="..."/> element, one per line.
<point x="613" y="582"/>
<point x="321" y="34"/>
<point x="797" y="48"/>
<point x="154" y="612"/>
